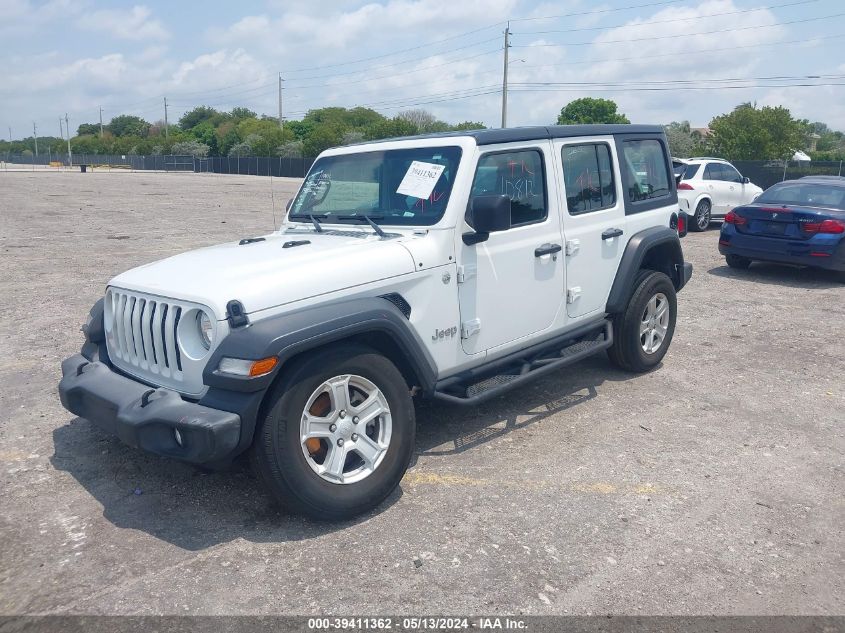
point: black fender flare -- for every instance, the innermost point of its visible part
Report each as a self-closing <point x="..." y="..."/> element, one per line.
<point x="288" y="334"/>
<point x="635" y="254"/>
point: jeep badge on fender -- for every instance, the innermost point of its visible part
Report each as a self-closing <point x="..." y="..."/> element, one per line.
<point x="305" y="348"/>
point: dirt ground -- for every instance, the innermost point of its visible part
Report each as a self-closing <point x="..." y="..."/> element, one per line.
<point x="713" y="485"/>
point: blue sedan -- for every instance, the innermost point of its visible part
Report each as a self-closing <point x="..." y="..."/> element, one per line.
<point x="793" y="222"/>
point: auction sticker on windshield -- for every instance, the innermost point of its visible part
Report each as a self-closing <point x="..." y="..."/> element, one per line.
<point x="420" y="179"/>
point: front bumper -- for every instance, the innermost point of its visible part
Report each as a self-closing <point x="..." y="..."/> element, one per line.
<point x="147" y="418"/>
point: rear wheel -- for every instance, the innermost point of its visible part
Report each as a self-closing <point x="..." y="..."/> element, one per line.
<point x="339" y="434"/>
<point x="737" y="261"/>
<point x="643" y="332"/>
<point x="701" y="218"/>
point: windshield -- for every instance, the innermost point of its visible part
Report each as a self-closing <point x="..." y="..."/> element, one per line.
<point x="399" y="186"/>
<point x="810" y="195"/>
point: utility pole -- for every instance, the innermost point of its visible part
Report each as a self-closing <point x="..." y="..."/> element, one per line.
<point x="281" y="120"/>
<point x="505" y="77"/>
<point x="101" y="121"/>
<point x="35" y="137"/>
<point x="165" y="117"/>
<point x="69" y="155"/>
<point x="61" y="131"/>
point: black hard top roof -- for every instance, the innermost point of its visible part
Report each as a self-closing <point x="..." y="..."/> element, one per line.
<point x="515" y="134"/>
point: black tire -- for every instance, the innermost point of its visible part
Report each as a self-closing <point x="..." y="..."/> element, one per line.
<point x="702" y="217"/>
<point x="277" y="456"/>
<point x="627" y="351"/>
<point x="737" y="261"/>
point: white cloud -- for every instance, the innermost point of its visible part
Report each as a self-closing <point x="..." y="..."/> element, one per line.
<point x="130" y="24"/>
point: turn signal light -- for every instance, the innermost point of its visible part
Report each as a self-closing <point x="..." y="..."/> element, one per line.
<point x="263" y="366"/>
<point x="827" y="226"/>
<point x="250" y="368"/>
<point x="735" y="219"/>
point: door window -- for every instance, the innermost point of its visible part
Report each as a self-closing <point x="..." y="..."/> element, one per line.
<point x="518" y="175"/>
<point x="588" y="177"/>
<point x="648" y="174"/>
<point x="730" y="173"/>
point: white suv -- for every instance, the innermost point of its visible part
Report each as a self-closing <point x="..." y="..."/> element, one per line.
<point x="710" y="187"/>
<point x="451" y="266"/>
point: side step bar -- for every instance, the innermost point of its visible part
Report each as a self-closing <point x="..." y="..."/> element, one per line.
<point x="480" y="384"/>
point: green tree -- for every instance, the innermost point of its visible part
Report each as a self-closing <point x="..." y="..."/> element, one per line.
<point x="88" y="128"/>
<point x="752" y="133"/>
<point x="128" y="125"/>
<point x="198" y="115"/>
<point x="683" y="141"/>
<point x="239" y="114"/>
<point x="590" y="110"/>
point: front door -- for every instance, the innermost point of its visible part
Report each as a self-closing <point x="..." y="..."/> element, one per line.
<point x="719" y="189"/>
<point x="594" y="219"/>
<point x="512" y="285"/>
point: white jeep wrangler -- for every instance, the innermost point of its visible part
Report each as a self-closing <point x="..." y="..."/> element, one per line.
<point x="452" y="266"/>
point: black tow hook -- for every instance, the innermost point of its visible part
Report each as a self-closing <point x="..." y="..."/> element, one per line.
<point x="145" y="399"/>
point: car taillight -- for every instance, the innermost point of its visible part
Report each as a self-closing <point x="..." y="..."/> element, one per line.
<point x="682" y="224"/>
<point x="826" y="226"/>
<point x="685" y="186"/>
<point x="734" y="218"/>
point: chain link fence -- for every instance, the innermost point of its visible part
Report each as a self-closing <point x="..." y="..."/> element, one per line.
<point x="245" y="165"/>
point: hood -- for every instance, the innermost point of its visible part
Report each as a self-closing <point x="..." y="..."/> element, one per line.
<point x="265" y="274"/>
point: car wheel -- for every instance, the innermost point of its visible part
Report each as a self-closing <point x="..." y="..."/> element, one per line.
<point x="701" y="218"/>
<point x="338" y="434"/>
<point x="643" y="332"/>
<point x="737" y="261"/>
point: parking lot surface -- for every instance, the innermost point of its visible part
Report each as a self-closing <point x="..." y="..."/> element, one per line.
<point x="713" y="485"/>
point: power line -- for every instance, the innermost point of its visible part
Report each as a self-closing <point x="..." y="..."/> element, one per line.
<point x="484" y="28"/>
<point x="666" y="37"/>
<point x="696" y="17"/>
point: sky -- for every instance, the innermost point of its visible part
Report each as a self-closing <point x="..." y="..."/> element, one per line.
<point x="660" y="60"/>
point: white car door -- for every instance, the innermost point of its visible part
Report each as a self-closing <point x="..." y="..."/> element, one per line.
<point x="718" y="188"/>
<point x="740" y="193"/>
<point x="593" y="209"/>
<point x="512" y="285"/>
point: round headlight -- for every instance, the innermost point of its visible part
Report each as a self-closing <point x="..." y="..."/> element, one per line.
<point x="206" y="328"/>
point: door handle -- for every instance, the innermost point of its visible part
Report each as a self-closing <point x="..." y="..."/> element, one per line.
<point x="547" y="249"/>
<point x="609" y="234"/>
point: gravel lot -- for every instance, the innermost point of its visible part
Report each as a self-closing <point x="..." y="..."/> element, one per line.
<point x="713" y="485"/>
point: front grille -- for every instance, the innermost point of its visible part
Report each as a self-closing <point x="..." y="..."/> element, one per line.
<point x="143" y="340"/>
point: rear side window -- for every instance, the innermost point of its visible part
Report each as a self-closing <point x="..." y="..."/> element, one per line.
<point x="648" y="174"/>
<point x="689" y="172"/>
<point x="588" y="177"/>
<point x="713" y="171"/>
<point x="518" y="175"/>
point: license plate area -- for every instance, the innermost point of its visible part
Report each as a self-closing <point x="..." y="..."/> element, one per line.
<point x="771" y="228"/>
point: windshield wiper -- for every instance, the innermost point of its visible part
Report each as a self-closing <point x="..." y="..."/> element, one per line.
<point x="315" y="219"/>
<point x="368" y="219"/>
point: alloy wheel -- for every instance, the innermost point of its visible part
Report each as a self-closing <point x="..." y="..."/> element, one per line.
<point x="345" y="429"/>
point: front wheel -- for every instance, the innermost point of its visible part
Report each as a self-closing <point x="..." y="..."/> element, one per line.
<point x="339" y="434"/>
<point x="643" y="332"/>
<point x="701" y="218"/>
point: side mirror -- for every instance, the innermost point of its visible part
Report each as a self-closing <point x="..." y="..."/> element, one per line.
<point x="489" y="214"/>
<point x="746" y="180"/>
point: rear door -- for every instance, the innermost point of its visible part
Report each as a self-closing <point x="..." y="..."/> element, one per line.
<point x="594" y="220"/>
